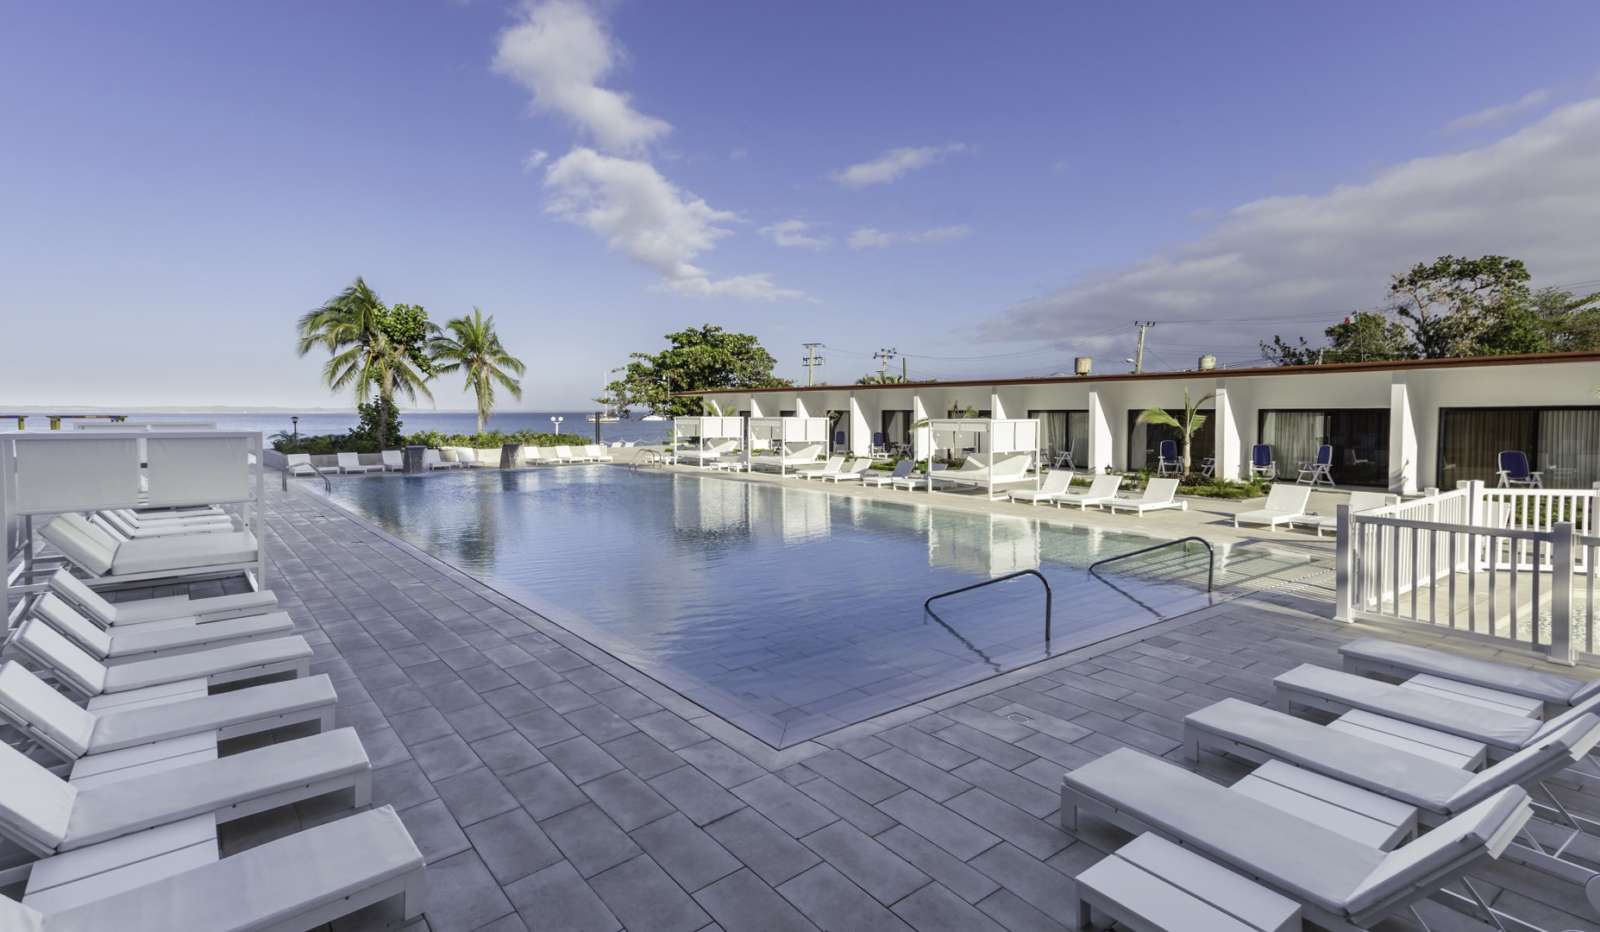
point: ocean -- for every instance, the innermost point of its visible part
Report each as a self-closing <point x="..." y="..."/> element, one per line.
<point x="450" y="422"/>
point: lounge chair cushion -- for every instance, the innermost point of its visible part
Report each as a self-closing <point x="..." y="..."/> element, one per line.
<point x="35" y="804"/>
<point x="166" y="554"/>
<point x="264" y="887"/>
<point x="50" y="648"/>
<point x="1486" y="726"/>
<point x="114" y="728"/>
<point x="153" y="638"/>
<point x="108" y="614"/>
<point x="1484" y="829"/>
<point x="217" y="660"/>
<point x="87" y="552"/>
<point x="29" y="701"/>
<point x="1548" y="687"/>
<point x="109" y="810"/>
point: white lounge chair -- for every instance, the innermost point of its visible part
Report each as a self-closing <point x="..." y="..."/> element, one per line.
<point x="144" y="642"/>
<point x="32" y="706"/>
<point x="431" y="460"/>
<point x="299" y="464"/>
<point x="1359" y="502"/>
<point x="47" y="815"/>
<point x="393" y="460"/>
<point x="1477" y="716"/>
<point x="173" y="610"/>
<point x="1399" y="660"/>
<point x="713" y="451"/>
<point x="597" y="453"/>
<point x="301" y="881"/>
<point x="565" y="455"/>
<point x="920" y="480"/>
<point x="1158" y="494"/>
<point x="1102" y="489"/>
<point x="833" y="466"/>
<point x="121" y="529"/>
<point x="1340" y="883"/>
<point x="1056" y="484"/>
<point x="467" y="458"/>
<point x="902" y="470"/>
<point x="100" y="554"/>
<point x="351" y="463"/>
<point x="1004" y="468"/>
<point x="72" y="666"/>
<point x="854" y="471"/>
<point x="1286" y="504"/>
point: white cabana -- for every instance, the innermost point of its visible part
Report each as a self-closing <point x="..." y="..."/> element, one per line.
<point x="785" y="442"/>
<point x="705" y="439"/>
<point x="999" y="451"/>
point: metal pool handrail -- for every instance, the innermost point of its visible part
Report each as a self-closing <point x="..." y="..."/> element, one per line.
<point x="1048" y="595"/>
<point x="1211" y="556"/>
<point x="326" y="484"/>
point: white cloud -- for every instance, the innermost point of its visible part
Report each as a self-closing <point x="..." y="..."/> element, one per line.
<point x="871" y="238"/>
<point x="893" y="164"/>
<point x="560" y="52"/>
<point x="795" y="233"/>
<point x="1309" y="259"/>
<point x="1500" y="112"/>
<point x="644" y="216"/>
<point x="535" y="158"/>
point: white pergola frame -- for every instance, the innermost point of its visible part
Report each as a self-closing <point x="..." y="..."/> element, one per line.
<point x="57" y="472"/>
<point x="1006" y="435"/>
<point x="789" y="430"/>
<point x="706" y="427"/>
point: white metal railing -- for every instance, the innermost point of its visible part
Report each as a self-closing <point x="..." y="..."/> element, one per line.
<point x="1491" y="563"/>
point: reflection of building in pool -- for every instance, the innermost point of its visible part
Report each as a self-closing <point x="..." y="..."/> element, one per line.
<point x="708" y="506"/>
<point x="991" y="545"/>
<point x="789" y="514"/>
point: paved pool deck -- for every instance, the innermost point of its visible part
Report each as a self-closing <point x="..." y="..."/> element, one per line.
<point x="552" y="787"/>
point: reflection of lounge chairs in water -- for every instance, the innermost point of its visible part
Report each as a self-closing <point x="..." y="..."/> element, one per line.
<point x="792" y="514"/>
<point x="989" y="545"/>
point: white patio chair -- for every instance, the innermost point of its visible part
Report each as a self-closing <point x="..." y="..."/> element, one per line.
<point x="1286" y="504"/>
<point x="1056" y="484"/>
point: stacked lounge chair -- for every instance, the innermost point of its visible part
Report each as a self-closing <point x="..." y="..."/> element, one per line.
<point x="97" y="552"/>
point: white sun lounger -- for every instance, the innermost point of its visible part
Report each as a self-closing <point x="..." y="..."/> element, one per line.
<point x="301" y="881"/>
<point x="351" y="462"/>
<point x="597" y="453"/>
<point x="1402" y="661"/>
<point x="857" y="468"/>
<point x="299" y="464"/>
<point x="902" y="470"/>
<point x="833" y="466"/>
<point x="100" y="554"/>
<point x="51" y="719"/>
<point x="46" y="814"/>
<point x="1157" y="494"/>
<point x="1286" y="504"/>
<point x="146" y="641"/>
<point x="714" y="451"/>
<point x="1504" y="733"/>
<point x="919" y="480"/>
<point x="393" y="460"/>
<point x="431" y="460"/>
<point x="1102" y="489"/>
<point x="177" y="609"/>
<point x="1359" y="502"/>
<point x="115" y="523"/>
<point x="1339" y="882"/>
<point x="1055" y="485"/>
<point x="47" y="648"/>
<point x="1153" y="885"/>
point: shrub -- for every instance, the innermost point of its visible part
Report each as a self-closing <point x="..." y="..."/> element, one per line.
<point x="358" y="442"/>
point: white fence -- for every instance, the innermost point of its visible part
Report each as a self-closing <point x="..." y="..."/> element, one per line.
<point x="1501" y="564"/>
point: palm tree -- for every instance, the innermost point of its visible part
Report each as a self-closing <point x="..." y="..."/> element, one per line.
<point x="1190" y="425"/>
<point x="474" y="348"/>
<point x="361" y="353"/>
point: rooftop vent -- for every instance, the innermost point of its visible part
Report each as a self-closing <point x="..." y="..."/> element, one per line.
<point x="1083" y="364"/>
<point x="1208" y="362"/>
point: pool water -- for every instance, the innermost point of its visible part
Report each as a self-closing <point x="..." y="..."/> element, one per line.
<point x="788" y="610"/>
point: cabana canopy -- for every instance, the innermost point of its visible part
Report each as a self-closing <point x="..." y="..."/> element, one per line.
<point x="713" y="430"/>
<point x="787" y="437"/>
<point x="998" y="450"/>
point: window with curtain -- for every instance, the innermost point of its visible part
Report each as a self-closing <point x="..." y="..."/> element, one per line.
<point x="1062" y="431"/>
<point x="1144" y="440"/>
<point x="1563" y="444"/>
<point x="1359" y="437"/>
<point x="896" y="428"/>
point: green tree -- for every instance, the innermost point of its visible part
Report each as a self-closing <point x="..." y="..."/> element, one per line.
<point x="1364" y="335"/>
<point x="706" y="357"/>
<point x="880" y="378"/>
<point x="1187" y="426"/>
<point x="370" y="346"/>
<point x="1571" y="323"/>
<point x="1455" y="306"/>
<point x="471" y="346"/>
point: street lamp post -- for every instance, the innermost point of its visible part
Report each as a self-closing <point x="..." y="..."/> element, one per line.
<point x="294" y="419"/>
<point x="555" y="421"/>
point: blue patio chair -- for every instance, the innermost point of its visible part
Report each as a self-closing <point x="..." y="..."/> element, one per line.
<point x="879" y="449"/>
<point x="838" y="440"/>
<point x="1167" y="458"/>
<point x="1261" y="463"/>
<point x="1514" y="471"/>
<point x="1318" y="469"/>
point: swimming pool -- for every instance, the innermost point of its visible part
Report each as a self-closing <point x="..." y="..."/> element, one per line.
<point x="785" y="609"/>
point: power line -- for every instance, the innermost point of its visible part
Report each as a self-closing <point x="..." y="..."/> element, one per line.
<point x="812" y="361"/>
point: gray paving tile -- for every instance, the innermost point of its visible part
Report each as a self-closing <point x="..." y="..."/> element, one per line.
<point x="691" y="856"/>
<point x="401" y="786"/>
<point x="741" y="902"/>
<point x="1018" y="791"/>
<point x="476" y="721"/>
<point x="556" y="899"/>
<point x="643" y="755"/>
<point x="434" y="830"/>
<point x="641" y="894"/>
<point x="985" y="746"/>
<point x="918" y="774"/>
<point x="868" y="864"/>
<point x="1044" y="888"/>
<point x="445" y="757"/>
<point x="544" y="727"/>
<point x="1035" y="836"/>
<point x="788" y="808"/>
<point x="474" y="796"/>
<point x="866" y="782"/>
<point x="462" y="894"/>
<point x="629" y="801"/>
<point x="544" y="790"/>
<point x="935" y="909"/>
<point x="599" y="723"/>
<point x="512" y="845"/>
<point x="696" y="795"/>
<point x="581" y="759"/>
<point x="512" y="701"/>
<point x="507" y="752"/>
<point x="673" y="732"/>
<point x="589" y="839"/>
<point x="836" y="904"/>
<point x="939" y="825"/>
<point x="1011" y="912"/>
<point x="971" y="885"/>
<point x="761" y="846"/>
<point x="846" y="805"/>
<point x="420" y="725"/>
<point x="720" y="762"/>
<point x="564" y="697"/>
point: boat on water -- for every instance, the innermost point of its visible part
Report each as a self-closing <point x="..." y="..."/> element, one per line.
<point x="653" y="417"/>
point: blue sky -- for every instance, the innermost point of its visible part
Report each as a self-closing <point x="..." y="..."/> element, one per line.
<point x="991" y="189"/>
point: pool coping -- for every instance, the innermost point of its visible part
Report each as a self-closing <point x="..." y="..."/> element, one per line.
<point x="1072" y="649"/>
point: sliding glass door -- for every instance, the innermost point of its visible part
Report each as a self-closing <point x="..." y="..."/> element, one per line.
<point x="897" y="429"/>
<point x="1144" y="440"/>
<point x="1359" y="437"/>
<point x="1062" y="432"/>
<point x="1561" y="443"/>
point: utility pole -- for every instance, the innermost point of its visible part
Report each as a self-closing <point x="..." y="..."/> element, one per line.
<point x="905" y="373"/>
<point x="885" y="356"/>
<point x="812" y="360"/>
<point x="1138" y="356"/>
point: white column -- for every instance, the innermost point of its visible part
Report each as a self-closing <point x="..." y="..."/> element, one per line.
<point x="800" y="409"/>
<point x="860" y="435"/>
<point x="997" y="409"/>
<point x="1229" y="452"/>
<point x="1100" y="442"/>
<point x="921" y="437"/>
<point x="755" y="407"/>
<point x="1402" y="441"/>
